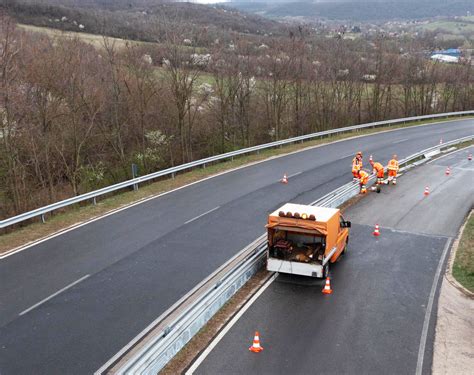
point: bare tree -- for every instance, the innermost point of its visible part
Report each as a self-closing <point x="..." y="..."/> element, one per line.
<point x="81" y="104"/>
<point x="10" y="114"/>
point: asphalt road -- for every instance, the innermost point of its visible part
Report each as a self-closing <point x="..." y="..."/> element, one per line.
<point x="70" y="303"/>
<point x="373" y="322"/>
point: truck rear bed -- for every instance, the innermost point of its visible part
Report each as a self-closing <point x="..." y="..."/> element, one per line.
<point x="297" y="268"/>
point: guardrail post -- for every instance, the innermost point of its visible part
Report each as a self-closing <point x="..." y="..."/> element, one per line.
<point x="173" y="175"/>
<point x="204" y="166"/>
<point x="43" y="220"/>
<point x="94" y="201"/>
<point x="135" y="175"/>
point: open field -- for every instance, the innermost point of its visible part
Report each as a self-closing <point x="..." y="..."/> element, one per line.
<point x="463" y="267"/>
<point x="467" y="18"/>
<point x="451" y="27"/>
<point x="93" y="39"/>
<point x="79" y="214"/>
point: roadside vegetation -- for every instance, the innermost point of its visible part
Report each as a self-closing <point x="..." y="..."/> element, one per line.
<point x="463" y="267"/>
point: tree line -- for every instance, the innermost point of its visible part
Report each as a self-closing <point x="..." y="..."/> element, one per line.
<point x="74" y="117"/>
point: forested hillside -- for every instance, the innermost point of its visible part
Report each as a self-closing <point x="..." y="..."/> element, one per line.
<point x="145" y="23"/>
<point x="360" y="10"/>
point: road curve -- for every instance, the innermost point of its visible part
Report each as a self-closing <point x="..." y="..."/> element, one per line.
<point x="379" y="318"/>
<point x="70" y="303"/>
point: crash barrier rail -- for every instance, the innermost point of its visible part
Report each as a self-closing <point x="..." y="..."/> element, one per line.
<point x="93" y="195"/>
<point x="154" y="348"/>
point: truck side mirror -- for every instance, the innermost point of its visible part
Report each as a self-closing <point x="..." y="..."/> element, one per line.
<point x="346" y="224"/>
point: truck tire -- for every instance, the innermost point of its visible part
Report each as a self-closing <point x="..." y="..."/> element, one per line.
<point x="344" y="251"/>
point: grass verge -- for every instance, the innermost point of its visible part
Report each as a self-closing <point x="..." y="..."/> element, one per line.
<point x="78" y="214"/>
<point x="463" y="267"/>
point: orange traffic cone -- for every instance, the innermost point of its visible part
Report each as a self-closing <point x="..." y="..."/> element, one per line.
<point x="448" y="171"/>
<point x="284" y="179"/>
<point x="256" y="348"/>
<point x="327" y="288"/>
<point x="376" y="231"/>
<point x="469" y="157"/>
<point x="427" y="191"/>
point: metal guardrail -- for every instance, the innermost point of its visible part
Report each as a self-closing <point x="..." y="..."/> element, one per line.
<point x="202" y="162"/>
<point x="155" y="353"/>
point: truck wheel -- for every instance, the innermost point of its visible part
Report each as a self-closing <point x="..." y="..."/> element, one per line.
<point x="344" y="251"/>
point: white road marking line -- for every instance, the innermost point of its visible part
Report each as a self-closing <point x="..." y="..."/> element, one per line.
<point x="294" y="174"/>
<point x="199" y="216"/>
<point x="426" y="323"/>
<point x="447" y="154"/>
<point x="400" y="141"/>
<point x="170" y="310"/>
<point x="54" y="295"/>
<point x="71" y="228"/>
<point x="462" y="169"/>
<point x="226" y="329"/>
<point x="351" y="154"/>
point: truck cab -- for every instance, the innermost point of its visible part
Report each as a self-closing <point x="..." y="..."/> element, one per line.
<point x="303" y="240"/>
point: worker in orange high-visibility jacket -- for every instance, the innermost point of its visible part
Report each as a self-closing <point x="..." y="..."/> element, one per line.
<point x="392" y="168"/>
<point x="358" y="159"/>
<point x="355" y="172"/>
<point x="379" y="171"/>
<point x="356" y="165"/>
<point x="363" y="180"/>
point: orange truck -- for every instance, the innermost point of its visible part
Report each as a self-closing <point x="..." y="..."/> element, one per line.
<point x="303" y="240"/>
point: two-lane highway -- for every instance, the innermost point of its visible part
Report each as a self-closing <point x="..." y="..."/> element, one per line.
<point x="70" y="303"/>
<point x="379" y="319"/>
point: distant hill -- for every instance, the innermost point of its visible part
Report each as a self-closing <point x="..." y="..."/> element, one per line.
<point x="136" y="19"/>
<point x="358" y="10"/>
<point x="101" y="4"/>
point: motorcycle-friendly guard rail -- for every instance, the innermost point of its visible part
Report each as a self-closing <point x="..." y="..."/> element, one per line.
<point x="152" y="349"/>
<point x="93" y="195"/>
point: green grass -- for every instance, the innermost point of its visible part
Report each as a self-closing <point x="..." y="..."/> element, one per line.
<point x="467" y="18"/>
<point x="80" y="213"/>
<point x="450" y="37"/>
<point x="201" y="78"/>
<point x="455" y="27"/>
<point x="463" y="267"/>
